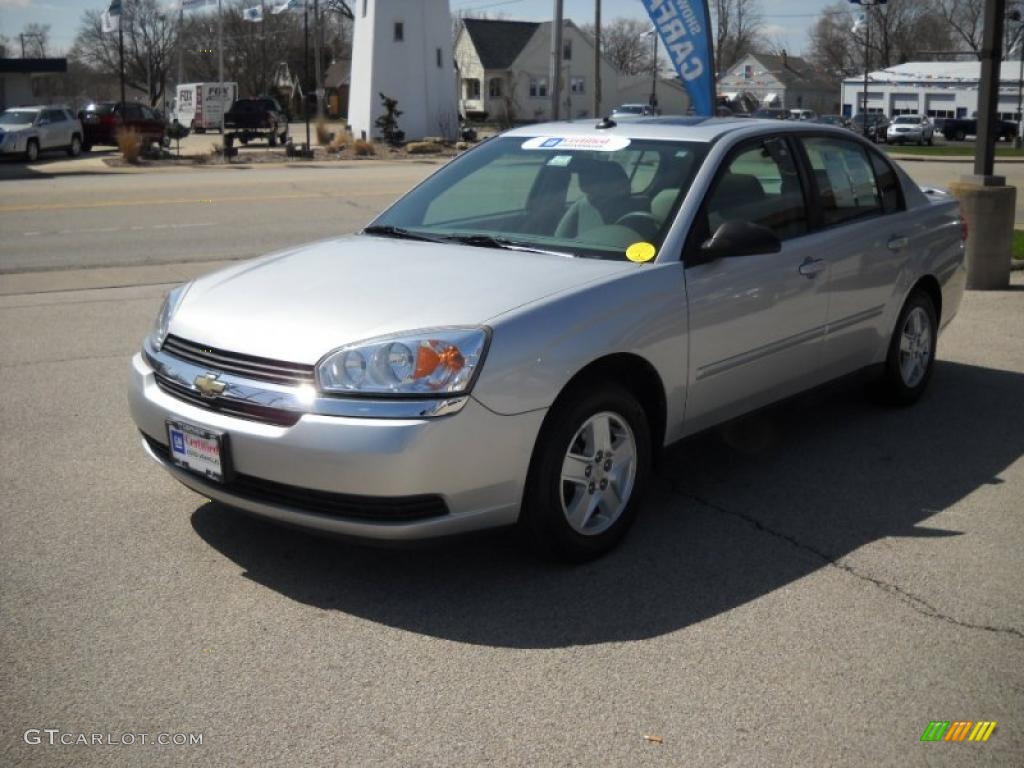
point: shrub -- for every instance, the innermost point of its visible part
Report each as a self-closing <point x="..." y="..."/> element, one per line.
<point x="341" y="140"/>
<point x="423" y="147"/>
<point x="323" y="136"/>
<point x="129" y="141"/>
<point x="388" y="122"/>
<point x="363" y="148"/>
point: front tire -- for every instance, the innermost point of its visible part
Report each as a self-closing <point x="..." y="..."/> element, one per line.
<point x="911" y="355"/>
<point x="590" y="467"/>
<point x="32" y="150"/>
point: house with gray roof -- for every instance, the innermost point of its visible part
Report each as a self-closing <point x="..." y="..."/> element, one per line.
<point x="504" y="71"/>
<point x="779" y="81"/>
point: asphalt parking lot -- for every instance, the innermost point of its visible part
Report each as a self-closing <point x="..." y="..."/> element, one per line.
<point x="808" y="587"/>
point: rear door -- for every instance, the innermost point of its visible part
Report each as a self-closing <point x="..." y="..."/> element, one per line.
<point x="756" y="322"/>
<point x="865" y="235"/>
<point x="52" y="129"/>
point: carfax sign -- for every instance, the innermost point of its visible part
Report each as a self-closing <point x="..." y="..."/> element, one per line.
<point x="685" y="28"/>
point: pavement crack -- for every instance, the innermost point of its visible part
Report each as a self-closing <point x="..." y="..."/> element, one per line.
<point x="915" y="602"/>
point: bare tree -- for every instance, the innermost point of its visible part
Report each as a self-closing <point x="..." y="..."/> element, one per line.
<point x="35" y="40"/>
<point x="831" y="46"/>
<point x="4" y="44"/>
<point x="626" y="44"/>
<point x="150" y="36"/>
<point x="966" y="19"/>
<point x="738" y="30"/>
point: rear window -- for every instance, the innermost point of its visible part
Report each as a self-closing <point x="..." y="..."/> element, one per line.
<point x="251" y="105"/>
<point x="100" y="109"/>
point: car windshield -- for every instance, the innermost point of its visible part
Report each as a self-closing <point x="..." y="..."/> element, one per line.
<point x="629" y="109"/>
<point x="250" y="105"/>
<point x="18" y="116"/>
<point x="589" y="196"/>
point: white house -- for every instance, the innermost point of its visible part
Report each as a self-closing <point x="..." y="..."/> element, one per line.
<point x="403" y="49"/>
<point x="938" y="89"/>
<point x="504" y="70"/>
<point x="30" y="81"/>
<point x="782" y="82"/>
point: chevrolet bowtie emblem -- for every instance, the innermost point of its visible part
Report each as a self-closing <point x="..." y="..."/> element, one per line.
<point x="208" y="385"/>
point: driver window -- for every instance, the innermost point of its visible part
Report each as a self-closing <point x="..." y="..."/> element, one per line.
<point x="760" y="185"/>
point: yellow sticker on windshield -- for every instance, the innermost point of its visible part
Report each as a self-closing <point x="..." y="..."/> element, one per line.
<point x="641" y="252"/>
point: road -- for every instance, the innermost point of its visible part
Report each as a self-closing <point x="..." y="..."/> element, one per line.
<point x="809" y="587"/>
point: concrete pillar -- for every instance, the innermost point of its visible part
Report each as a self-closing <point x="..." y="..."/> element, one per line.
<point x="989" y="206"/>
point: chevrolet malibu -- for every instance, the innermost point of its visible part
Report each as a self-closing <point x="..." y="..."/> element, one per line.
<point x="515" y="340"/>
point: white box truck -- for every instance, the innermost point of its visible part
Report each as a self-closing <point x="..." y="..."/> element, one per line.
<point x="201" y="106"/>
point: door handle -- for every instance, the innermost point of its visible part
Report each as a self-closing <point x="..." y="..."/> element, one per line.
<point x="812" y="267"/>
<point x="897" y="242"/>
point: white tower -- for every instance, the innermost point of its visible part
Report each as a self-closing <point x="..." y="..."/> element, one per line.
<point x="403" y="49"/>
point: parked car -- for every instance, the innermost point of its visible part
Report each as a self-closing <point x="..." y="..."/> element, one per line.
<point x="960" y="128"/>
<point x="836" y="120"/>
<point x="634" y="110"/>
<point x="877" y="125"/>
<point x="488" y="353"/>
<point x="767" y="113"/>
<point x="27" y="131"/>
<point x="912" y="128"/>
<point x="261" y="118"/>
<point x="102" y="120"/>
<point x="802" y="114"/>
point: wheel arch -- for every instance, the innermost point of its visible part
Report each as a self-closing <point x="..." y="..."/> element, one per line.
<point x="930" y="286"/>
<point x="633" y="373"/>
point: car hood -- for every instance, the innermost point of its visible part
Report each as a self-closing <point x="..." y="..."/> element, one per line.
<point x="15" y="127"/>
<point x="300" y="304"/>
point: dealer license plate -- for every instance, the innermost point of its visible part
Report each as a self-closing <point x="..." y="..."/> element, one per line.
<point x="198" y="450"/>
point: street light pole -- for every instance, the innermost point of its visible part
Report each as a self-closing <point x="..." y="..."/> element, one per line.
<point x="654" y="71"/>
<point x="556" y="61"/>
<point x="597" y="58"/>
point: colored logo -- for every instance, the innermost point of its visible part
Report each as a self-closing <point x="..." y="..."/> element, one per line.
<point x="551" y="143"/>
<point x="958" y="730"/>
<point x="178" y="442"/>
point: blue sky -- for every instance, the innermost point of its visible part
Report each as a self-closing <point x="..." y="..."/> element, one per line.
<point x="786" y="20"/>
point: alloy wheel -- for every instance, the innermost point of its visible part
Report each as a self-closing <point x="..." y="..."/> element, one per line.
<point x="598" y="473"/>
<point x="915" y="347"/>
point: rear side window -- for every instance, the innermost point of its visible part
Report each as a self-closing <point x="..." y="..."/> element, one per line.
<point x="845" y="180"/>
<point x="888" y="184"/>
<point x="760" y="185"/>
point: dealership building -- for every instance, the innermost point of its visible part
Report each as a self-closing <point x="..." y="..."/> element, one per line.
<point x="938" y="89"/>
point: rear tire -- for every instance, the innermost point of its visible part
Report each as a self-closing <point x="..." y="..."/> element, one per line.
<point x="959" y="135"/>
<point x="911" y="356"/>
<point x="272" y="140"/>
<point x="75" y="148"/>
<point x="590" y="467"/>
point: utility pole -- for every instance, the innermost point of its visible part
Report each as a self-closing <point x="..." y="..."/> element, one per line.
<point x="867" y="5"/>
<point x="654" y="73"/>
<point x="988" y="97"/>
<point x="120" y="54"/>
<point x="316" y="55"/>
<point x="597" y="58"/>
<point x="308" y="151"/>
<point x="556" y="61"/>
<point x="181" y="50"/>
<point x="220" y="60"/>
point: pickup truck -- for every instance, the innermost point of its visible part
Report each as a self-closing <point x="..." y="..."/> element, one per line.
<point x="261" y="118"/>
<point x="960" y="128"/>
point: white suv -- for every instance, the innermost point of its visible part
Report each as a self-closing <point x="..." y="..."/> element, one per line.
<point x="30" y="130"/>
<point x="913" y="128"/>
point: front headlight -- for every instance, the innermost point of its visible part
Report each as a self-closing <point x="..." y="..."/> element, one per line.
<point x="167" y="310"/>
<point x="441" y="361"/>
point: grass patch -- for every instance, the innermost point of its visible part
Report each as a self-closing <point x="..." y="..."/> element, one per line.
<point x="948" y="150"/>
<point x="1018" y="245"/>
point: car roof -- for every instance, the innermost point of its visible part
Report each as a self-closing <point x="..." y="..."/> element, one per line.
<point x="698" y="129"/>
<point x="29" y="109"/>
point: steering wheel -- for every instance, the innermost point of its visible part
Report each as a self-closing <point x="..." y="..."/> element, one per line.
<point x="644" y="224"/>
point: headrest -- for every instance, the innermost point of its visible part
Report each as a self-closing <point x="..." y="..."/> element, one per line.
<point x="602" y="178"/>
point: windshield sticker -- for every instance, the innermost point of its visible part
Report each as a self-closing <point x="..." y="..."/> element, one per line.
<point x="592" y="143"/>
<point x="641" y="252"/>
<point x="560" y="160"/>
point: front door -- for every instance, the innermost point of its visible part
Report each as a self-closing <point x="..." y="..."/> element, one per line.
<point x="756" y="322"/>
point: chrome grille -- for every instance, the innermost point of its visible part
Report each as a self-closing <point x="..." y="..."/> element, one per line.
<point x="246" y="366"/>
<point x="253" y="412"/>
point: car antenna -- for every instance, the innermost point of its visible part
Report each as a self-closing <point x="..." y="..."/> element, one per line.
<point x="606" y="122"/>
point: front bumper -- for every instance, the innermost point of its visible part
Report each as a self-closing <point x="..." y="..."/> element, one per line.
<point x="474" y="460"/>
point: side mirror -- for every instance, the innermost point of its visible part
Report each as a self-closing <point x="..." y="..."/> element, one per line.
<point x="739" y="238"/>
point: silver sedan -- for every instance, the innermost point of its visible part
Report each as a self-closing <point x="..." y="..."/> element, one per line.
<point x="514" y="340"/>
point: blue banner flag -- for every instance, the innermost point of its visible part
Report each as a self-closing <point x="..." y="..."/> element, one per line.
<point x="685" y="28"/>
